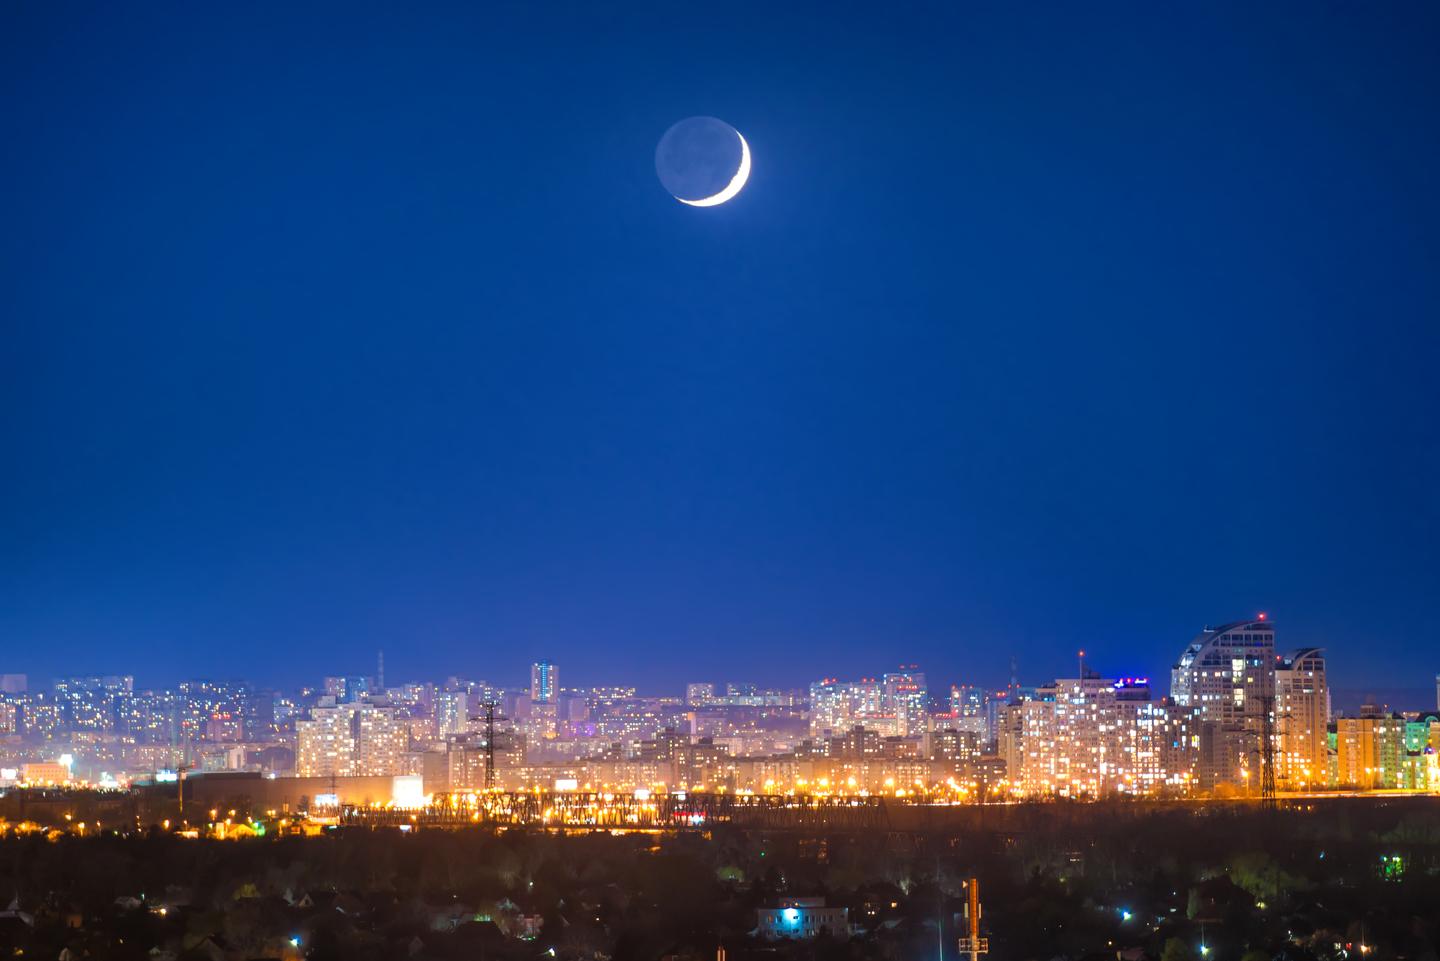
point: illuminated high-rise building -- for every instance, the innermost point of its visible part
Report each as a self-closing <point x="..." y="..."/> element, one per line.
<point x="967" y="700"/>
<point x="324" y="743"/>
<point x="1370" y="749"/>
<point x="1093" y="737"/>
<point x="1226" y="676"/>
<point x="905" y="697"/>
<point x="838" y="706"/>
<point x="452" y="713"/>
<point x="968" y="712"/>
<point x="544" y="682"/>
<point x="1302" y="715"/>
<point x="953" y="753"/>
<point x="698" y="695"/>
<point x="40" y="714"/>
<point x="381" y="740"/>
<point x="92" y="703"/>
<point x="344" y="740"/>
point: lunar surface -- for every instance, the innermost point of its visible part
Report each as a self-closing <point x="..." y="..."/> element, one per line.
<point x="702" y="161"/>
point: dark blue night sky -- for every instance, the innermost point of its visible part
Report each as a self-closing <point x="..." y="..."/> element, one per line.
<point x="1036" y="328"/>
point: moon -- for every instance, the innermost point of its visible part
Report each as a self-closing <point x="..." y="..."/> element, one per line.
<point x="703" y="161"/>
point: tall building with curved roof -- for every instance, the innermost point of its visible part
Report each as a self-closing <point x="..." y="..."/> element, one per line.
<point x="1226" y="676"/>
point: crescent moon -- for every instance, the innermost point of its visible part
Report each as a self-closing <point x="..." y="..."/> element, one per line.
<point x="732" y="188"/>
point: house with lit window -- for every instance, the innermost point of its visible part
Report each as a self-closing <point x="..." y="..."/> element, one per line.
<point x="798" y="918"/>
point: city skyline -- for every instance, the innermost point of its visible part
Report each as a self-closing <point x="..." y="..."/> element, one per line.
<point x="542" y="676"/>
<point x="1239" y="717"/>
<point x="516" y="671"/>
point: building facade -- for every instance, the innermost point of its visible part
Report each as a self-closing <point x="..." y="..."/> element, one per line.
<point x="1302" y="716"/>
<point x="1226" y="677"/>
<point x="798" y="918"/>
<point x="351" y="740"/>
<point x="905" y="697"/>
<point x="837" y="706"/>
<point x="1094" y="737"/>
<point x="544" y="682"/>
<point x="1370" y="750"/>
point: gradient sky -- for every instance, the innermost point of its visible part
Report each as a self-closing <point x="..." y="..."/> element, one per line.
<point x="1037" y="327"/>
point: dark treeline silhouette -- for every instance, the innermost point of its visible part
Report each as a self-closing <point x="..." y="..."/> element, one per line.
<point x="1057" y="881"/>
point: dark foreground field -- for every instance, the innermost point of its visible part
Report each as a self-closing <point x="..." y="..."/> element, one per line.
<point x="1344" y="878"/>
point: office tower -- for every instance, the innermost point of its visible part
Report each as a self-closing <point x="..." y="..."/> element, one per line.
<point x="20" y="683"/>
<point x="1226" y="675"/>
<point x="1302" y="716"/>
<point x="544" y="682"/>
<point x="452" y="713"/>
<point x="906" y="698"/>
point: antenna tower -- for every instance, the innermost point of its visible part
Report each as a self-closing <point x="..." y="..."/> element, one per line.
<point x="973" y="944"/>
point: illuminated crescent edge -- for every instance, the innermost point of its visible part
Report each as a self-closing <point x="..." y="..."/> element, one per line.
<point x="736" y="183"/>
